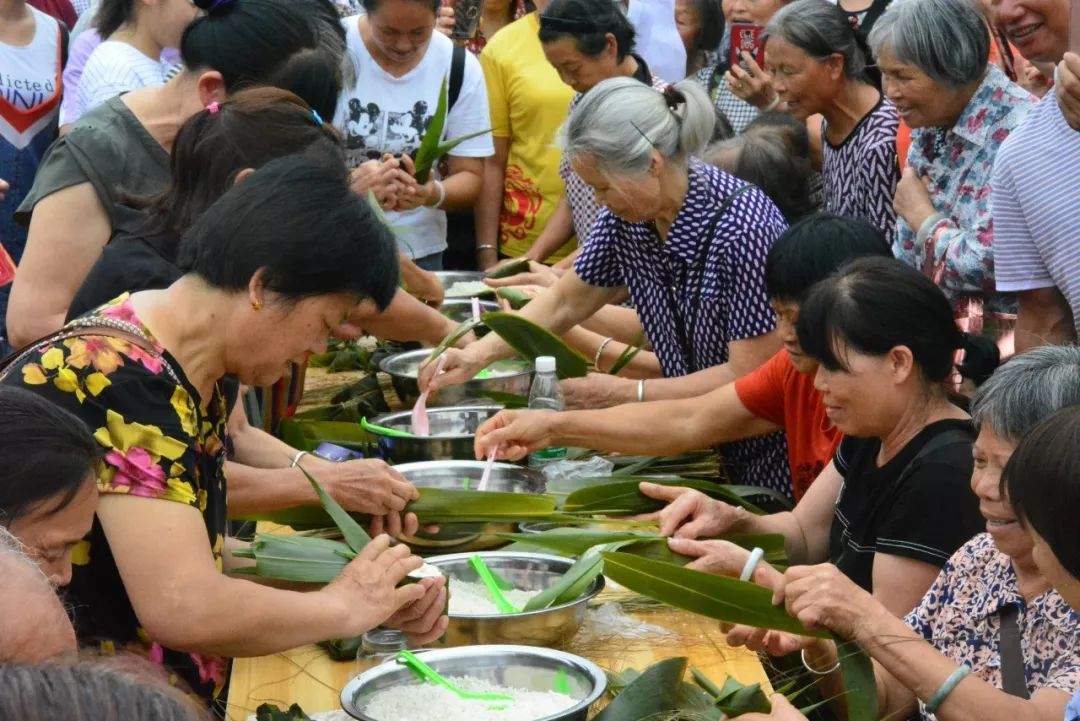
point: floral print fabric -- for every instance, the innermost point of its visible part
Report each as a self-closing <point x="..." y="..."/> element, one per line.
<point x="156" y="443"/>
<point x="956" y="247"/>
<point x="959" y="617"/>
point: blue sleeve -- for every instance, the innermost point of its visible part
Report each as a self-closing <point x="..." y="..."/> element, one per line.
<point x="599" y="262"/>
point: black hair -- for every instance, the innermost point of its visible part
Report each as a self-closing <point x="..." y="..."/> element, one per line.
<point x="588" y="22"/>
<point x="371" y="6"/>
<point x="1043" y="484"/>
<point x="711" y="27"/>
<point x="763" y="158"/>
<point x="46" y="452"/>
<point x="873" y="305"/>
<point x="112" y="15"/>
<point x="297" y="220"/>
<point x="814" y="248"/>
<point x="297" y="45"/>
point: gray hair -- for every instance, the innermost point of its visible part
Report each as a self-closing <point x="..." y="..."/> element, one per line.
<point x="946" y="39"/>
<point x="13" y="550"/>
<point x="1028" y="389"/>
<point x="820" y="29"/>
<point x="621" y="120"/>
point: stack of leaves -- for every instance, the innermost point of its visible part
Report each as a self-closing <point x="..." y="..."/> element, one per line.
<point x="343" y="355"/>
<point x="624" y="498"/>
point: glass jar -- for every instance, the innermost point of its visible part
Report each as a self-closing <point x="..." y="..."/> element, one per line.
<point x="378" y="645"/>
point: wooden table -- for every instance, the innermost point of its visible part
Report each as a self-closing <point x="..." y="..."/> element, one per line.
<point x="309" y="677"/>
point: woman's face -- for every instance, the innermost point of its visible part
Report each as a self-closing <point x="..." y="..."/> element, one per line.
<point x="865" y="398"/>
<point x="580" y="71"/>
<point x="168" y="19"/>
<point x="787" y="315"/>
<point x="1038" y="28"/>
<point x="688" y="23"/>
<point x="634" y="198"/>
<point x="921" y="101"/>
<point x="754" y="12"/>
<point x="804" y="84"/>
<point x="264" y="341"/>
<point x="51" y="533"/>
<point x="401" y="29"/>
<point x="1055" y="574"/>
<point x="990" y="454"/>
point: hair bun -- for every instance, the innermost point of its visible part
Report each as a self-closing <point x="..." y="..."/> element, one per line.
<point x="673" y="97"/>
<point x="981" y="357"/>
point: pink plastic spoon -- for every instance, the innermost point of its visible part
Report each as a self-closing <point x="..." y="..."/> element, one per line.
<point x="420" y="424"/>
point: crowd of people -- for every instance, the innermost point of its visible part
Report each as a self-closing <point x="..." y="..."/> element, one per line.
<point x="845" y="259"/>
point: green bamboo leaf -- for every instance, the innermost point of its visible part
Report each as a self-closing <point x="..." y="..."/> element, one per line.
<point x="577" y="578"/>
<point x="623" y="497"/>
<point x="656" y="691"/>
<point x="505" y="270"/>
<point x="510" y="401"/>
<point x="296" y="559"/>
<point x="354" y="533"/>
<point x="342" y="649"/>
<point x="448" y="145"/>
<point x="514" y="297"/>
<point x="706" y="683"/>
<point x="748" y="699"/>
<point x="628" y="354"/>
<point x="860" y="686"/>
<point x="532" y="341"/>
<point x="428" y="152"/>
<point x="457" y="334"/>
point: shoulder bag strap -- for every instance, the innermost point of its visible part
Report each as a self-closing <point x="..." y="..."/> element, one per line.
<point x="1013" y="679"/>
<point x="457" y="76"/>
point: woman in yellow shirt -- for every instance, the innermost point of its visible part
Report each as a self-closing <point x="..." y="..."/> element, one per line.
<point x="528" y="104"/>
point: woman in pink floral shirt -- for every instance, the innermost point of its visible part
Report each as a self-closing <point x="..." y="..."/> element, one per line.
<point x="933" y="58"/>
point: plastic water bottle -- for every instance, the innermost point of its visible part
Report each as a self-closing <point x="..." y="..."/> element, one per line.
<point x="545" y="395"/>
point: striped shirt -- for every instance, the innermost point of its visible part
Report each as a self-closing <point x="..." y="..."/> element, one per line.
<point x="1036" y="188"/>
<point x="115" y="68"/>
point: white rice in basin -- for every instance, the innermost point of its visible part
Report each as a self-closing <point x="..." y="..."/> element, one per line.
<point x="416" y="702"/>
<point x="474" y="599"/>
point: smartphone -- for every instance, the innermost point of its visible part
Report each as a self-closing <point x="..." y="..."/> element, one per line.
<point x="466" y="19"/>
<point x="747" y="38"/>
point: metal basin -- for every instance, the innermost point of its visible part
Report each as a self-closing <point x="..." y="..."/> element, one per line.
<point x="459" y="310"/>
<point x="525" y="667"/>
<point x="528" y="572"/>
<point x="462" y="537"/>
<point x="507" y="376"/>
<point x="449" y="277"/>
<point x="453" y="430"/>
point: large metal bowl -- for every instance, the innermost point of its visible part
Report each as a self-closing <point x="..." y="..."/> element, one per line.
<point x="508" y="376"/>
<point x="462" y="537"/>
<point x="528" y="572"/>
<point x="525" y="667"/>
<point x="459" y="310"/>
<point x="449" y="277"/>
<point x="452" y="432"/>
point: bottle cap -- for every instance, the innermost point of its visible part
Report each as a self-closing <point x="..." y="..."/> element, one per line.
<point x="545" y="364"/>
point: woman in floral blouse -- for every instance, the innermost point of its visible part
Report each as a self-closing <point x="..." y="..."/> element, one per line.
<point x="992" y="578"/>
<point x="272" y="269"/>
<point x="933" y="58"/>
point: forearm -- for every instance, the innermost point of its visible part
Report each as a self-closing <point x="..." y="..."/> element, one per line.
<point x="556" y="233"/>
<point x="689" y="386"/>
<point x="617" y="322"/>
<point x="1045" y="319"/>
<point x="254" y="490"/>
<point x="643" y="365"/>
<point x="489" y="205"/>
<point x="462" y="189"/>
<point x="409" y="319"/>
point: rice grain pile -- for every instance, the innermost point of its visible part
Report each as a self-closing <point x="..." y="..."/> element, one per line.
<point x="416" y="702"/>
<point x="474" y="599"/>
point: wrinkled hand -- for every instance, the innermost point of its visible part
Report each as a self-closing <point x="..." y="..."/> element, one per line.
<point x="1031" y="77"/>
<point x="1067" y="89"/>
<point x="538" y="274"/>
<point x="423" y="621"/>
<point x="462" y="364"/>
<point x="427" y="287"/>
<point x="761" y="640"/>
<point x="598" y="390"/>
<point x="412" y="194"/>
<point x="822" y="597"/>
<point x="515" y="433"/>
<point x="366" y="590"/>
<point x="721" y="558"/>
<point x="912" y="200"/>
<point x="782" y="710"/>
<point x="753" y="85"/>
<point x="444" y="21"/>
<point x="689" y="513"/>
<point x="365" y="486"/>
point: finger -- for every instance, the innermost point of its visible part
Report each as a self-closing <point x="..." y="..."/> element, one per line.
<point x="752" y="68"/>
<point x="379" y="544"/>
<point x="687" y="547"/>
<point x="660" y="492"/>
<point x="409" y="593"/>
<point x="694" y="529"/>
<point x="411" y="525"/>
<point x="393" y="524"/>
<point x="377" y="527"/>
<point x="402" y="567"/>
<point x="739" y="74"/>
<point x="436" y="633"/>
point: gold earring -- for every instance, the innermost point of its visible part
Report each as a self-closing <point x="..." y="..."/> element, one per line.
<point x="256" y="305"/>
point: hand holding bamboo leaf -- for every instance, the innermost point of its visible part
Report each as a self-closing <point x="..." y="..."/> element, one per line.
<point x="515" y="433"/>
<point x="692" y="514"/>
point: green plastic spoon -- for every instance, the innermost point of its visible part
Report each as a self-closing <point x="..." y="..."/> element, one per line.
<point x="427" y="673"/>
<point x="492" y="584"/>
<point x="383" y="430"/>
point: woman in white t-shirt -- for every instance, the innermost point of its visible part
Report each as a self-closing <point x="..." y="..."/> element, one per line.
<point x="401" y="64"/>
<point x="135" y="32"/>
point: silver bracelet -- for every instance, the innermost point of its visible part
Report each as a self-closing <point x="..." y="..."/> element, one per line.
<point x="485" y="246"/>
<point x="442" y="193"/>
<point x="817" y="672"/>
<point x="297" y="457"/>
<point x="752" y="563"/>
<point x="641" y="390"/>
<point x="600" y="352"/>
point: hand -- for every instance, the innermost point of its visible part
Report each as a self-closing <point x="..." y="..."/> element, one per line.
<point x="752" y="85"/>
<point x="516" y="433"/>
<point x="412" y="194"/>
<point x="822" y="597"/>
<point x="461" y="365"/>
<point x="423" y="621"/>
<point x="1031" y="77"/>
<point x="444" y="21"/>
<point x="366" y="591"/>
<point x="365" y="486"/>
<point x="598" y="390"/>
<point x="774" y="643"/>
<point x="538" y="274"/>
<point x="720" y="558"/>
<point x="1067" y="89"/>
<point x="912" y="200"/>
<point x="690" y="513"/>
<point x="427" y="287"/>
<point x="383" y="178"/>
<point x="782" y="710"/>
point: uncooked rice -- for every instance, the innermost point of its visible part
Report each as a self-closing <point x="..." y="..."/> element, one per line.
<point x="474" y="599"/>
<point x="416" y="702"/>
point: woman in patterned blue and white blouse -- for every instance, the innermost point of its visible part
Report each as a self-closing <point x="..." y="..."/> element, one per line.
<point x="687" y="241"/>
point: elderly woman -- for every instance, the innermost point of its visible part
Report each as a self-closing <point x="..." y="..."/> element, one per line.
<point x="272" y="269"/>
<point x="818" y="68"/>
<point x="992" y="609"/>
<point x="933" y="58"/>
<point x="687" y="240"/>
<point x="893" y="505"/>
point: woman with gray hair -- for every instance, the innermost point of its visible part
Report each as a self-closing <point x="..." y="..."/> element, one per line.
<point x="687" y="241"/>
<point x="933" y="59"/>
<point x="818" y="67"/>
<point x="991" y="639"/>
